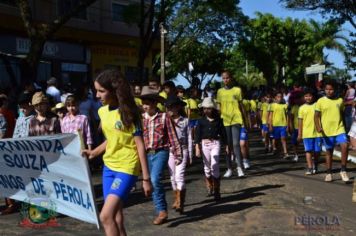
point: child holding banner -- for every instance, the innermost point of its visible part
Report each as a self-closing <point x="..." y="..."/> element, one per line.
<point x="72" y="121"/>
<point x="124" y="148"/>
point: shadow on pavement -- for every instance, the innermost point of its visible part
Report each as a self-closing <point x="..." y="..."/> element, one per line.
<point x="216" y="208"/>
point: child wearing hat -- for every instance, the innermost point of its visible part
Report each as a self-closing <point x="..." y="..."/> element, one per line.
<point x="43" y="123"/>
<point x="210" y="134"/>
<point x="175" y="109"/>
<point x="160" y="139"/>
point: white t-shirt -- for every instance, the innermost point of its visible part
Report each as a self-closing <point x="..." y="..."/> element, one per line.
<point x="54" y="93"/>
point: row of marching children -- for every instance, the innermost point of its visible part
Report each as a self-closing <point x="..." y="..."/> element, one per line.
<point x="316" y="122"/>
<point x="156" y="129"/>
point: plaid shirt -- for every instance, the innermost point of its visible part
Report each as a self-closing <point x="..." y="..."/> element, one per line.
<point x="159" y="132"/>
<point x="78" y="122"/>
<point x="48" y="126"/>
<point x="184" y="134"/>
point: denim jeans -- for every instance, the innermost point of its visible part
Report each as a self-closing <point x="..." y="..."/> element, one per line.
<point x="348" y="118"/>
<point x="157" y="163"/>
<point x="233" y="140"/>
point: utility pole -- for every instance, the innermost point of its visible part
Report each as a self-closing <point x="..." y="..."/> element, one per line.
<point x="163" y="32"/>
<point x="247" y="69"/>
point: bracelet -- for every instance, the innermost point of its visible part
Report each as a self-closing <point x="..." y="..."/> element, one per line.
<point x="147" y="180"/>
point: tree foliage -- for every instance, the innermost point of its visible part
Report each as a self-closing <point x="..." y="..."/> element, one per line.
<point x="273" y="45"/>
<point x="340" y="10"/>
<point x="199" y="32"/>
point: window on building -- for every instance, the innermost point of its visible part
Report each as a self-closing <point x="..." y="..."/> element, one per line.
<point x="64" y="6"/>
<point x="8" y="2"/>
<point x="118" y="11"/>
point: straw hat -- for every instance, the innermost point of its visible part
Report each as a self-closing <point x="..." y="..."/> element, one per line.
<point x="151" y="94"/>
<point x="38" y="98"/>
<point x="208" y="102"/>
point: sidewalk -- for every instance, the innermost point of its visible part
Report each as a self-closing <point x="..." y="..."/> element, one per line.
<point x="275" y="199"/>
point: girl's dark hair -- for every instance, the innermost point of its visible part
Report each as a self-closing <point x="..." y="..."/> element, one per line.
<point x="116" y="84"/>
<point x="71" y="100"/>
<point x="227" y="72"/>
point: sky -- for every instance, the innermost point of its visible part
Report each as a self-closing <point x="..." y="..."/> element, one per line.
<point x="250" y="7"/>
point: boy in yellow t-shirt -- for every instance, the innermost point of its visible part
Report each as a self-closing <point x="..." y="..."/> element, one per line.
<point x="278" y="121"/>
<point x="293" y="124"/>
<point x="329" y="122"/>
<point x="263" y="114"/>
<point x="307" y="132"/>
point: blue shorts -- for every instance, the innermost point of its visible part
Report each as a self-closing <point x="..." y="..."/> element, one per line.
<point x="312" y="144"/>
<point x="264" y="128"/>
<point x="193" y="123"/>
<point x="294" y="138"/>
<point x="117" y="183"/>
<point x="243" y="134"/>
<point x="332" y="141"/>
<point x="279" y="132"/>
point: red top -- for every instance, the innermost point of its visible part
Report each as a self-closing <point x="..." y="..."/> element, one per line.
<point x="10" y="120"/>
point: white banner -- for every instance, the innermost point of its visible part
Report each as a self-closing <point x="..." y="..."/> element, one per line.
<point x="48" y="171"/>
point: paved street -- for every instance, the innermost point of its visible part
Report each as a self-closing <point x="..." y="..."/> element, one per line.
<point x="270" y="201"/>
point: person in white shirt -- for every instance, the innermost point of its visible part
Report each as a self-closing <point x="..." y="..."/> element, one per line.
<point x="52" y="90"/>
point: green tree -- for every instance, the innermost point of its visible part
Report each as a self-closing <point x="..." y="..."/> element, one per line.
<point x="199" y="32"/>
<point x="340" y="10"/>
<point x="206" y="60"/>
<point x="274" y="45"/>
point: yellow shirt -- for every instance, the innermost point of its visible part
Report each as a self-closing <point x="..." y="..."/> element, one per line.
<point x="294" y="111"/>
<point x="229" y="105"/>
<point x="279" y="114"/>
<point x="138" y="101"/>
<point x="192" y="104"/>
<point x="264" y="112"/>
<point x="159" y="105"/>
<point x="331" y="120"/>
<point x="306" y="114"/>
<point x="121" y="151"/>
<point x="253" y="105"/>
<point x="247" y="105"/>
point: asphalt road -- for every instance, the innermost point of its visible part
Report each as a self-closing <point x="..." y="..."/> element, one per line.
<point x="275" y="198"/>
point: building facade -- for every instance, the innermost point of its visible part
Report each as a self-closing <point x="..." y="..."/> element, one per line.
<point x="95" y="39"/>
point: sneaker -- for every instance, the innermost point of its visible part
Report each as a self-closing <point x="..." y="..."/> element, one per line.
<point x="263" y="140"/>
<point x="246" y="164"/>
<point x="228" y="173"/>
<point x="315" y="171"/>
<point x="285" y="155"/>
<point x="328" y="178"/>
<point x="344" y="176"/>
<point x="296" y="158"/>
<point x="309" y="172"/>
<point x="240" y="172"/>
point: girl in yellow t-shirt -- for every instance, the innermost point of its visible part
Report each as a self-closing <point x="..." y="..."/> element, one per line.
<point x="278" y="121"/>
<point x="229" y="99"/>
<point x="123" y="149"/>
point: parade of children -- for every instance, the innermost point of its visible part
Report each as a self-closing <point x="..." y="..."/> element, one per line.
<point x="157" y="134"/>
